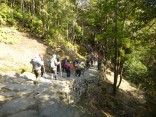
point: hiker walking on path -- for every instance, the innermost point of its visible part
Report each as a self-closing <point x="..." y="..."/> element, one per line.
<point x="58" y="66"/>
<point x="82" y="64"/>
<point x="63" y="62"/>
<point x="42" y="66"/>
<point x="76" y="61"/>
<point x="68" y="68"/>
<point x="53" y="66"/>
<point x="92" y="59"/>
<point x="78" y="68"/>
<point x="95" y="58"/>
<point x="37" y="63"/>
<point x="99" y="62"/>
<point x="88" y="63"/>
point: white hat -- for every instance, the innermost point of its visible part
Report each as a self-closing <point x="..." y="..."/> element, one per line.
<point x="54" y="55"/>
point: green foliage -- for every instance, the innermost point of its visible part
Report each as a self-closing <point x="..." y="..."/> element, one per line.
<point x="2" y="20"/>
<point x="122" y="52"/>
<point x="126" y="42"/>
<point x="6" y="36"/>
<point x="18" y="15"/>
<point x="111" y="104"/>
<point x="6" y="14"/>
<point x="36" y="25"/>
<point x="135" y="70"/>
<point x="32" y="23"/>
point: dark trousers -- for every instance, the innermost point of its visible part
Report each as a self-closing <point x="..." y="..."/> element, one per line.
<point x="37" y="73"/>
<point x="99" y="66"/>
<point x="78" y="72"/>
<point x="42" y="70"/>
<point x="58" y="68"/>
<point x="68" y="72"/>
<point x="82" y="71"/>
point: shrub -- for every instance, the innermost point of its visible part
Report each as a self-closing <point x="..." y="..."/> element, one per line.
<point x="6" y="14"/>
<point x="135" y="71"/>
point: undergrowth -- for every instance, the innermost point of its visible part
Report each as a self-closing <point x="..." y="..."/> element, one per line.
<point x="8" y="36"/>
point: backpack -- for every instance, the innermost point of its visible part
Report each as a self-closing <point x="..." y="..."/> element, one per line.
<point x="52" y="63"/>
<point x="75" y="62"/>
<point x="35" y="63"/>
<point x="82" y="65"/>
<point x="67" y="66"/>
<point x="78" y="66"/>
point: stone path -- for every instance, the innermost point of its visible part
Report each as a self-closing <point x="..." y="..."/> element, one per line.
<point x="20" y="97"/>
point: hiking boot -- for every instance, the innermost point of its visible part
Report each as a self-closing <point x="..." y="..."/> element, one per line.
<point x="35" y="82"/>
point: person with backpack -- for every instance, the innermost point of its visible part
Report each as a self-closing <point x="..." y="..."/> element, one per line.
<point x="92" y="59"/>
<point x="88" y="63"/>
<point x="37" y="63"/>
<point x="99" y="62"/>
<point x="82" y="65"/>
<point x="67" y="68"/>
<point x="58" y="66"/>
<point x="63" y="62"/>
<point x="53" y="66"/>
<point x="78" y="69"/>
<point x="76" y="61"/>
<point x="95" y="58"/>
<point x="42" y="66"/>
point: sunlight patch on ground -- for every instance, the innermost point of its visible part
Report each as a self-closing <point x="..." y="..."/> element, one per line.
<point x="107" y="114"/>
<point x="125" y="85"/>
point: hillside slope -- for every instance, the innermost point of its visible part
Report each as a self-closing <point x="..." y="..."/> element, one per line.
<point x="17" y="49"/>
<point x="17" y="56"/>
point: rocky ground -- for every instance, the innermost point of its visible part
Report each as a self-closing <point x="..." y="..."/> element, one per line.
<point x="83" y="96"/>
<point x="20" y="97"/>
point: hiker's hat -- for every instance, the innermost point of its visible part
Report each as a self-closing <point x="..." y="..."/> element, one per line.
<point x="54" y="55"/>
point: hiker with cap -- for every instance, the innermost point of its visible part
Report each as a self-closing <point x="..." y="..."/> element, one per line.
<point x="53" y="66"/>
<point x="36" y="63"/>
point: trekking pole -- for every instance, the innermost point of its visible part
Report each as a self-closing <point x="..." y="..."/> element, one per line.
<point x="60" y="71"/>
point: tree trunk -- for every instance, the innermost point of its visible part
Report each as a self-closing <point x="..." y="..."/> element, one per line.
<point x="12" y="6"/>
<point x="43" y="20"/>
<point x="22" y="7"/>
<point x="116" y="50"/>
<point x="33" y="10"/>
<point x="121" y="73"/>
<point x="67" y="30"/>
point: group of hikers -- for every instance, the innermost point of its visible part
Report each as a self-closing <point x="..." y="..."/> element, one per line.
<point x="57" y="66"/>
